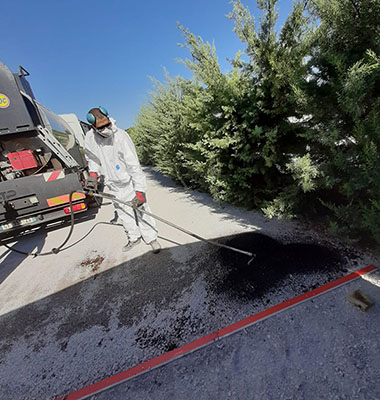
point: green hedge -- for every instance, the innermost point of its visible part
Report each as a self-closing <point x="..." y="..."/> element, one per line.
<point x="293" y="129"/>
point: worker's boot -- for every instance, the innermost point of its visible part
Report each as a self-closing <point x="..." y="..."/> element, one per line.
<point x="130" y="245"/>
<point x="156" y="247"/>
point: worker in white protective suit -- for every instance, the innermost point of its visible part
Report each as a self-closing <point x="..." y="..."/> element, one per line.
<point x="111" y="153"/>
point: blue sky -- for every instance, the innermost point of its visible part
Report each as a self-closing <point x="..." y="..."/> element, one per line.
<point x="82" y="54"/>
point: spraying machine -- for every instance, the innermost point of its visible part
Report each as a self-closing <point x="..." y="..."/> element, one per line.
<point x="41" y="158"/>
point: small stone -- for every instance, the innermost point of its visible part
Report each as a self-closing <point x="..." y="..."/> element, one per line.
<point x="360" y="300"/>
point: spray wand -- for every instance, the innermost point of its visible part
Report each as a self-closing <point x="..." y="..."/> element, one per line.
<point x="111" y="197"/>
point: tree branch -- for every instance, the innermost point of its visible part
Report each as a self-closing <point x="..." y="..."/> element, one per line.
<point x="355" y="7"/>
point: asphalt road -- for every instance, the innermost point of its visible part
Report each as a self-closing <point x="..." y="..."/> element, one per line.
<point x="72" y="319"/>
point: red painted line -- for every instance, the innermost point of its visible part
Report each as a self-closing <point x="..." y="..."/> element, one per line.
<point x="205" y="340"/>
<point x="54" y="176"/>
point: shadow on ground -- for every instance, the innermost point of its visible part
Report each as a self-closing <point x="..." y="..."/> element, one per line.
<point x="230" y="212"/>
<point x="226" y="211"/>
<point x="32" y="241"/>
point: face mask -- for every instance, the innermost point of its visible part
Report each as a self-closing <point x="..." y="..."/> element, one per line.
<point x="106" y="132"/>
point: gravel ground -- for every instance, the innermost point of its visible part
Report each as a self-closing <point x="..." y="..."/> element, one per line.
<point x="322" y="349"/>
<point x="69" y="320"/>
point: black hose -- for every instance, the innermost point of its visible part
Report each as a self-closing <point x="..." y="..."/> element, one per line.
<point x="84" y="237"/>
<point x="43" y="166"/>
<point x="55" y="250"/>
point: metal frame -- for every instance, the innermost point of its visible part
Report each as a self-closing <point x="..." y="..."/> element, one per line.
<point x="49" y="139"/>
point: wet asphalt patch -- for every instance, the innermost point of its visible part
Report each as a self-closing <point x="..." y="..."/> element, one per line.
<point x="279" y="271"/>
<point x="274" y="264"/>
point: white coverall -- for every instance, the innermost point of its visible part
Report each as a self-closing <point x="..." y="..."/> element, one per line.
<point x="115" y="158"/>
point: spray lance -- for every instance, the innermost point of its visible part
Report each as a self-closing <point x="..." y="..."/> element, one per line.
<point x="137" y="210"/>
<point x="89" y="190"/>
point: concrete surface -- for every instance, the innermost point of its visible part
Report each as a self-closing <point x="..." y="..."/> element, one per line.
<point x="71" y="319"/>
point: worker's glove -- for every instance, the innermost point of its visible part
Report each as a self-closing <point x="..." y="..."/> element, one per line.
<point x="91" y="182"/>
<point x="139" y="199"/>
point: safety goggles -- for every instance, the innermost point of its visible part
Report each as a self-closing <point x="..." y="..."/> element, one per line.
<point x="101" y="128"/>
